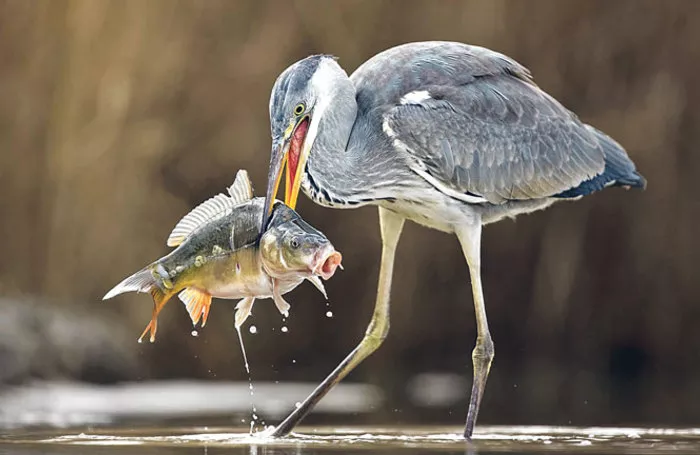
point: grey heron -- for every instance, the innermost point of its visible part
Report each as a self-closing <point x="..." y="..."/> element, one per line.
<point x="445" y="134"/>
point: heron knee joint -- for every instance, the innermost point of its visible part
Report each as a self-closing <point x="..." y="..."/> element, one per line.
<point x="484" y="348"/>
<point x="377" y="334"/>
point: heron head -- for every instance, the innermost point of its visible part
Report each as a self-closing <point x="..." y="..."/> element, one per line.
<point x="299" y="100"/>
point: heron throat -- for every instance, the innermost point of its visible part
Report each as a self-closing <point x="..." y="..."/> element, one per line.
<point x="294" y="162"/>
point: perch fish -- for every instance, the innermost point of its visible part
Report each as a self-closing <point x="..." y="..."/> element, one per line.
<point x="220" y="253"/>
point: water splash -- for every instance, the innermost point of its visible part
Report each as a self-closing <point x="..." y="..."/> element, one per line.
<point x="326" y="440"/>
<point x="254" y="416"/>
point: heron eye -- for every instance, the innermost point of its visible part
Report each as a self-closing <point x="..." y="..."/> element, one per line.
<point x="299" y="109"/>
<point x="294" y="243"/>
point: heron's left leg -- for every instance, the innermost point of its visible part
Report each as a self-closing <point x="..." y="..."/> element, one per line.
<point x="391" y="225"/>
<point x="470" y="238"/>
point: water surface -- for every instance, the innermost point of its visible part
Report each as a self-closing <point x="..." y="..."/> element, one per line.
<point x="385" y="440"/>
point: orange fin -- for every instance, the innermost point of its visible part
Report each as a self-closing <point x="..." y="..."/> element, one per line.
<point x="159" y="301"/>
<point x="197" y="304"/>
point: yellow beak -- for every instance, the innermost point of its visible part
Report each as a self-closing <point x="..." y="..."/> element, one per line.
<point x="289" y="153"/>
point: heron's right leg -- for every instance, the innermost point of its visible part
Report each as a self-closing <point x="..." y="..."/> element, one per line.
<point x="390" y="225"/>
<point x="470" y="239"/>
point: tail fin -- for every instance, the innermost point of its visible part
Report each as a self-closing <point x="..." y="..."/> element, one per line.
<point x="159" y="301"/>
<point x="141" y="281"/>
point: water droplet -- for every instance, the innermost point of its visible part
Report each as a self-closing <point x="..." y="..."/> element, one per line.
<point x="294" y="361"/>
<point x="195" y="333"/>
<point x="329" y="314"/>
<point x="297" y="404"/>
<point x="253" y="329"/>
<point x="285" y="329"/>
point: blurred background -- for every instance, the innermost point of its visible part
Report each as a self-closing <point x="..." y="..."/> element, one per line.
<point x="117" y="117"/>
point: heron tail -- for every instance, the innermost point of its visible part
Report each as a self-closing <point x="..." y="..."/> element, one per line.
<point x="619" y="170"/>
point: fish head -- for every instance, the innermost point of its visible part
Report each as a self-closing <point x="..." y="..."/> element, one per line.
<point x="295" y="248"/>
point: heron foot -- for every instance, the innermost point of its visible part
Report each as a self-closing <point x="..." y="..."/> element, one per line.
<point x="482" y="356"/>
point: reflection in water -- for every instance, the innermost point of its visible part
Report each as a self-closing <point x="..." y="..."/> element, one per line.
<point x="70" y="404"/>
<point x="525" y="440"/>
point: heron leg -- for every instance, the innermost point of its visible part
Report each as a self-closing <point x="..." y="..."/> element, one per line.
<point x="390" y="225"/>
<point x="470" y="239"/>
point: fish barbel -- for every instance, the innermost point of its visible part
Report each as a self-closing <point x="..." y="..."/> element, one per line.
<point x="220" y="252"/>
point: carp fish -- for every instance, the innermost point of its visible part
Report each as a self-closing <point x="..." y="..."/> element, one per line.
<point x="221" y="252"/>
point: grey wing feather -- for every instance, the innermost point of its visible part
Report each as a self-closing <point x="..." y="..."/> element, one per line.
<point x="498" y="137"/>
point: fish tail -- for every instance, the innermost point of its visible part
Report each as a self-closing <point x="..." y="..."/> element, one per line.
<point x="141" y="281"/>
<point x="145" y="281"/>
<point x="159" y="301"/>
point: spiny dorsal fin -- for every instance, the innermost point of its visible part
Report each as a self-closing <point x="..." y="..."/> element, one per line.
<point x="242" y="189"/>
<point x="213" y="208"/>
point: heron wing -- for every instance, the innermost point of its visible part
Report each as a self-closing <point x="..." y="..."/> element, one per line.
<point x="496" y="136"/>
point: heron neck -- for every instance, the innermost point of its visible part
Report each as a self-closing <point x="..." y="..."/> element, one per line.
<point x="332" y="168"/>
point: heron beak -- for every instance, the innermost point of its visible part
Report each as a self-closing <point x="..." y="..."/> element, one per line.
<point x="290" y="152"/>
<point x="278" y="159"/>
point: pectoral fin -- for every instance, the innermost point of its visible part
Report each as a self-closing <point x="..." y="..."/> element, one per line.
<point x="197" y="304"/>
<point x="281" y="304"/>
<point x="243" y="309"/>
<point x="316" y="281"/>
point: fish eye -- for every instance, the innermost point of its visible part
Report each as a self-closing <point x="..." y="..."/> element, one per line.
<point x="299" y="109"/>
<point x="294" y="243"/>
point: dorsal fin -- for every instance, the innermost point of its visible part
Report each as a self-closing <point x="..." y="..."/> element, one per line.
<point x="242" y="189"/>
<point x="211" y="209"/>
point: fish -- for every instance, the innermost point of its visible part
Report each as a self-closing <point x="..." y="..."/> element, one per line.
<point x="222" y="251"/>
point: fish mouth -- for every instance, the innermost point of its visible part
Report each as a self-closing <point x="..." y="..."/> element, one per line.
<point x="328" y="261"/>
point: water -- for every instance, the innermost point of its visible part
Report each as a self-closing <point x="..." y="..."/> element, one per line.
<point x="253" y="412"/>
<point x="90" y="419"/>
<point x="356" y="440"/>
